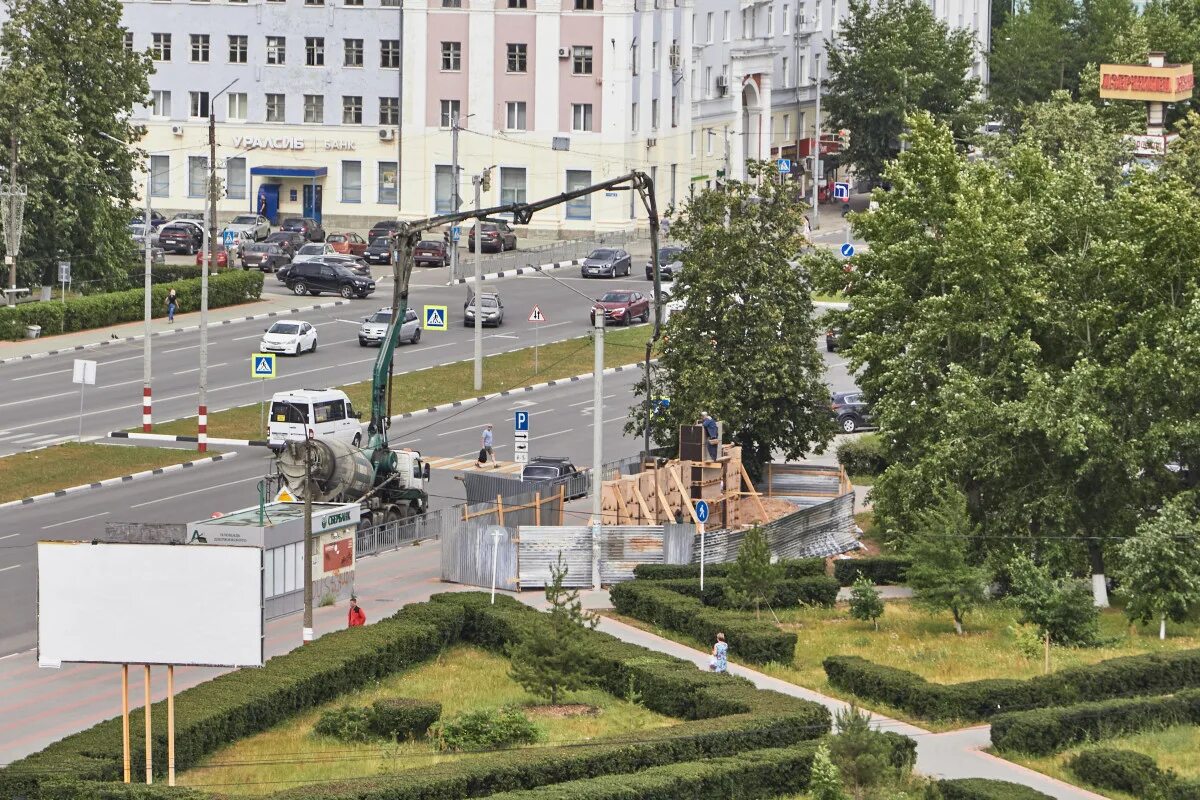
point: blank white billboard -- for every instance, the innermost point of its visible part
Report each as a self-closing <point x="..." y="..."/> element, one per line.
<point x="149" y="604"/>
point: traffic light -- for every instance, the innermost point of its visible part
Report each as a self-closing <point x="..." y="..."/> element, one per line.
<point x="485" y="180"/>
<point x="446" y="238"/>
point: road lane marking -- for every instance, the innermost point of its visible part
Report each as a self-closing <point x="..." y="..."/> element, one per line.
<point x="35" y="400"/>
<point x="42" y="375"/>
<point x="197" y="369"/>
<point x="548" y="435"/>
<point x="9" y="536"/>
<point x="178" y="349"/>
<point x="6" y="569"/>
<point x="68" y="522"/>
<point x="177" y="495"/>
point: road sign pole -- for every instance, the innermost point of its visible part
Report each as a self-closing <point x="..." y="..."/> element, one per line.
<point x="536" y="325"/>
<point x="477" y="180"/>
<point x="702" y="556"/>
<point x="597" y="445"/>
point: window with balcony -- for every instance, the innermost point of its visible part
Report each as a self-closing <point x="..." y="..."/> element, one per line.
<point x="451" y="56"/>
<point x="389" y="111"/>
<point x="314" y="108"/>
<point x="514" y="116"/>
<point x="352" y="112"/>
<point x="352" y="52"/>
<point x="518" y="57"/>
<point x="160" y="46"/>
<point x="276" y="50"/>
<point x="581" y="117"/>
<point x="314" y="51"/>
<point x="276" y="108"/>
<point x="239" y="47"/>
<point x="581" y="60"/>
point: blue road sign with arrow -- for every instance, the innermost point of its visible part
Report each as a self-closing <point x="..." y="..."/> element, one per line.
<point x="847" y="250"/>
<point x="702" y="511"/>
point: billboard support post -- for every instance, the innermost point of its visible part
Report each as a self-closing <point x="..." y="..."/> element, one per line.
<point x="170" y="724"/>
<point x="149" y="757"/>
<point x="125" y="718"/>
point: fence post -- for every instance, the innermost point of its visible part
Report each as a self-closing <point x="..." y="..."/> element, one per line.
<point x="500" y="510"/>
<point x="537" y="508"/>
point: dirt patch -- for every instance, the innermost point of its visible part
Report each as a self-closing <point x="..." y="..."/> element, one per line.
<point x="774" y="507"/>
<point x="563" y="710"/>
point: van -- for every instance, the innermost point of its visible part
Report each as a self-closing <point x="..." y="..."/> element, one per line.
<point x="325" y="413"/>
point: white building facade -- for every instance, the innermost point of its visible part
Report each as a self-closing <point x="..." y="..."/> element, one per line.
<point x="342" y="109"/>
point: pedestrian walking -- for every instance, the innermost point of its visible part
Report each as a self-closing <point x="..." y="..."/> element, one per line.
<point x="485" y="449"/>
<point x="712" y="435"/>
<point x="719" y="661"/>
<point x="357" y="617"/>
<point x="172" y="304"/>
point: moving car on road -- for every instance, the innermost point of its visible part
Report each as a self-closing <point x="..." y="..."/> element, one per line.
<point x="851" y="411"/>
<point x="178" y="237"/>
<point x="306" y="226"/>
<point x="315" y="277"/>
<point x="264" y="255"/>
<point x="494" y="236"/>
<point x="554" y="470"/>
<point x="326" y="412"/>
<point x="374" y="328"/>
<point x="379" y="251"/>
<point x="669" y="263"/>
<point x="623" y="306"/>
<point x="255" y="226"/>
<point x="491" y="309"/>
<point x="606" y="262"/>
<point x="289" y="336"/>
<point x="431" y="253"/>
<point x="348" y="243"/>
<point x="313" y="251"/>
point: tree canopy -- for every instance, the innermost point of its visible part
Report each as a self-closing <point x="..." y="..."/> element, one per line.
<point x="1160" y="565"/>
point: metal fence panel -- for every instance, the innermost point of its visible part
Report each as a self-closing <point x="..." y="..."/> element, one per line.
<point x="821" y="530"/>
<point x="467" y="552"/>
<point x="539" y="547"/>
<point x="677" y="542"/>
<point x="804" y="483"/>
<point x="382" y="538"/>
<point x="623" y="547"/>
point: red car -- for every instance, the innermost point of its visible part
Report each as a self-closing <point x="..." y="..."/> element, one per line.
<point x="432" y="253"/>
<point x="623" y="307"/>
<point x="348" y="243"/>
<point x="222" y="259"/>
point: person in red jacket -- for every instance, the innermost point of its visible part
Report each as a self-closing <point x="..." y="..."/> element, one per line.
<point x="357" y="616"/>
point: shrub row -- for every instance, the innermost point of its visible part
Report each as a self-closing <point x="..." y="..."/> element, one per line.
<point x="390" y="718"/>
<point x="1134" y="773"/>
<point x="750" y="640"/>
<point x="793" y="568"/>
<point x="863" y="455"/>
<point x="816" y="590"/>
<point x="879" y="569"/>
<point x="1149" y="674"/>
<point x="99" y="310"/>
<point x="985" y="789"/>
<point x="1049" y="730"/>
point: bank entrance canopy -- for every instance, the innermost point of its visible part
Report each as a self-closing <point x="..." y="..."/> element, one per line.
<point x="311" y="173"/>
<point x="265" y="200"/>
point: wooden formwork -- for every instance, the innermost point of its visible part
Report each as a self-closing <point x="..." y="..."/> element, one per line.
<point x="668" y="493"/>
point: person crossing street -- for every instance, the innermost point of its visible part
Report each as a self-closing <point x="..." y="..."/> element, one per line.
<point x="486" y="451"/>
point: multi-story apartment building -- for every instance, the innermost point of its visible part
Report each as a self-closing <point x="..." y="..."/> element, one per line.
<point x="342" y="109"/>
<point x="755" y="68"/>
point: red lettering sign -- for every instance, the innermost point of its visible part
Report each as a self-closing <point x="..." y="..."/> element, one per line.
<point x="1185" y="83"/>
<point x="1120" y="82"/>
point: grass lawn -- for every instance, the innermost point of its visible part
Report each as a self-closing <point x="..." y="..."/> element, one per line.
<point x="38" y="471"/>
<point x="437" y="385"/>
<point x="463" y="679"/>
<point x="1176" y="748"/>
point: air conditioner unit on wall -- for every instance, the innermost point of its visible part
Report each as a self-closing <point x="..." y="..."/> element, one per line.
<point x="386" y="134"/>
<point x="564" y="52"/>
<point x="722" y="85"/>
<point x="177" y="130"/>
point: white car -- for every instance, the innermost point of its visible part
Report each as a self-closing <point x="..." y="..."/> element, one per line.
<point x="314" y="251"/>
<point x="289" y="336"/>
<point x="256" y="226"/>
<point x="375" y="327"/>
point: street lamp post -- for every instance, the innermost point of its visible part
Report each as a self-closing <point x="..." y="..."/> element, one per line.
<point x="481" y="182"/>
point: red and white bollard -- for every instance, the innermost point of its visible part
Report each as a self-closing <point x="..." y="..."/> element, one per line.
<point x="145" y="409"/>
<point x="202" y="430"/>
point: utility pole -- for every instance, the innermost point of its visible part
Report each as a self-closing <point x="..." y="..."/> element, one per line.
<point x="12" y="247"/>
<point x="477" y="180"/>
<point x="210" y="249"/>
<point x="308" y="552"/>
<point x="597" y="441"/>
<point x="455" y="200"/>
<point x="816" y="209"/>
<point x="147" y="307"/>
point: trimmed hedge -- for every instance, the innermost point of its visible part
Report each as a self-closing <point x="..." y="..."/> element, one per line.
<point x="788" y="593"/>
<point x="1122" y="770"/>
<point x="793" y="569"/>
<point x="1049" y="730"/>
<point x="986" y="789"/>
<point x="100" y="310"/>
<point x="403" y="717"/>
<point x="1149" y="674"/>
<point x="879" y="569"/>
<point x="751" y="640"/>
<point x="862" y="455"/>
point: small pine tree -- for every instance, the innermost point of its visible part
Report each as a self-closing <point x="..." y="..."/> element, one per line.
<point x="554" y="656"/>
<point x="940" y="576"/>
<point x="825" y="782"/>
<point x="752" y="577"/>
<point x="862" y="755"/>
<point x="865" y="602"/>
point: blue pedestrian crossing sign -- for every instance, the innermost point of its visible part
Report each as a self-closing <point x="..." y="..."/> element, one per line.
<point x="521" y="421"/>
<point x="455" y="233"/>
<point x="702" y="511"/>
<point x="228" y="238"/>
<point x="435" y="318"/>
<point x="784" y="165"/>
<point x="847" y="250"/>
<point x="262" y="365"/>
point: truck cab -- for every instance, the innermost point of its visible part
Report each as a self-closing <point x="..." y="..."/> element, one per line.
<point x="320" y="413"/>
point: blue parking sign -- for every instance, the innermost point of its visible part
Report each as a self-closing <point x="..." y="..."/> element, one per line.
<point x="521" y="421"/>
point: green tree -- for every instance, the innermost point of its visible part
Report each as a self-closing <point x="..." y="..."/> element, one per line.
<point x="1174" y="27"/>
<point x="865" y="602"/>
<point x="554" y="655"/>
<point x="1059" y="606"/>
<point x="1160" y="566"/>
<point x="752" y="576"/>
<point x="941" y="577"/>
<point x="826" y="781"/>
<point x="743" y="346"/>
<point x="1183" y="157"/>
<point x="67" y="79"/>
<point x="894" y="58"/>
<point x="863" y="756"/>
<point x="1030" y="56"/>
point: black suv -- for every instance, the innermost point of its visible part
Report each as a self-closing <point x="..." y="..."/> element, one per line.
<point x="555" y="471"/>
<point x="308" y="227"/>
<point x="383" y="228"/>
<point x="851" y="411"/>
<point x="180" y="237"/>
<point x="313" y="277"/>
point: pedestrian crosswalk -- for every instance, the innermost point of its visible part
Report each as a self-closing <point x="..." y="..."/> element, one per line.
<point x="457" y="463"/>
<point x="25" y="441"/>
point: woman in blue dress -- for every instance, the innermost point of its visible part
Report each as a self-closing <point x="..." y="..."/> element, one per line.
<point x="719" y="661"/>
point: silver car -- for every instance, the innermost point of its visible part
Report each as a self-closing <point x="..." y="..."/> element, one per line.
<point x="256" y="226"/>
<point x="374" y="328"/>
<point x="314" y="251"/>
<point x="607" y="262"/>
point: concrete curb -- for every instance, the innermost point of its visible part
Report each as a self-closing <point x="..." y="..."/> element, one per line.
<point x="138" y="338"/>
<point x="470" y="401"/>
<point x="508" y="273"/>
<point x="123" y="479"/>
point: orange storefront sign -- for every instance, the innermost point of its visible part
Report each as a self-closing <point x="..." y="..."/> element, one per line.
<point x="1167" y="84"/>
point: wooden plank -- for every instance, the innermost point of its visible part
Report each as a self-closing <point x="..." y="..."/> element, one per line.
<point x="754" y="492"/>
<point x="500" y="510"/>
<point x="686" y="500"/>
<point x="537" y="508"/>
<point x="642" y="502"/>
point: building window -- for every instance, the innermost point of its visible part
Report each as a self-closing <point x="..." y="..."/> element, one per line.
<point x="770" y="20"/>
<point x="238" y="47"/>
<point x="160" y="48"/>
<point x="748" y="15"/>
<point x="581" y="117"/>
<point x="160" y="176"/>
<point x="314" y="108"/>
<point x="708" y="82"/>
<point x="518" y="3"/>
<point x="654" y="114"/>
<point x="451" y="3"/>
<point x="389" y="53"/>
<point x="515" y="115"/>
<point x="580" y="207"/>
<point x="450" y="112"/>
<point x="518" y="57"/>
<point x="197" y="176"/>
<point x="708" y="141"/>
<point x="633" y="115"/>
<point x="634" y="62"/>
<point x="581" y="60"/>
<point x="709" y="27"/>
<point x="276" y="50"/>
<point x="725" y="26"/>
<point x="387" y="182"/>
<point x="160" y="103"/>
<point x="235" y="178"/>
<point x="787" y="127"/>
<point x="314" y="2"/>
<point x="787" y="20"/>
<point x="199" y="104"/>
<point x="238" y="105"/>
<point x="512" y="185"/>
<point x="351" y="181"/>
<point x="692" y="145"/>
<point x="653" y="56"/>
<point x="199" y="48"/>
<point x="801" y="71"/>
<point x="352" y="3"/>
<point x="443" y="189"/>
<point x="674" y="112"/>
<point x="353" y="49"/>
<point x="783" y="68"/>
<point x="129" y="41"/>
<point x="352" y="109"/>
<point x="585" y="5"/>
<point x="389" y="111"/>
<point x="451" y="56"/>
<point x="276" y="108"/>
<point x="314" y="51"/>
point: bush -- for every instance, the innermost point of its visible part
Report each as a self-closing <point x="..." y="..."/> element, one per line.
<point x="793" y="569"/>
<point x="1060" y="607"/>
<point x="486" y="729"/>
<point x="878" y="569"/>
<point x="350" y="724"/>
<point x="863" y="455"/>
<point x="1122" y="770"/>
<point x="788" y="593"/>
<point x="14" y="319"/>
<point x="1149" y="674"/>
<point x="1049" y="730"/>
<point x="865" y="603"/>
<point x="403" y="717"/>
<point x="984" y="789"/>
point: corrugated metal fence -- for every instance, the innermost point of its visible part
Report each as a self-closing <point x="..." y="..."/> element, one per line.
<point x="381" y="538"/>
<point x="468" y="550"/>
<point x="539" y="548"/>
<point x="823" y="530"/>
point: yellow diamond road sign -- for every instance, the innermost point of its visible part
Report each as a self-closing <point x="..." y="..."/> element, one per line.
<point x="262" y="365"/>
